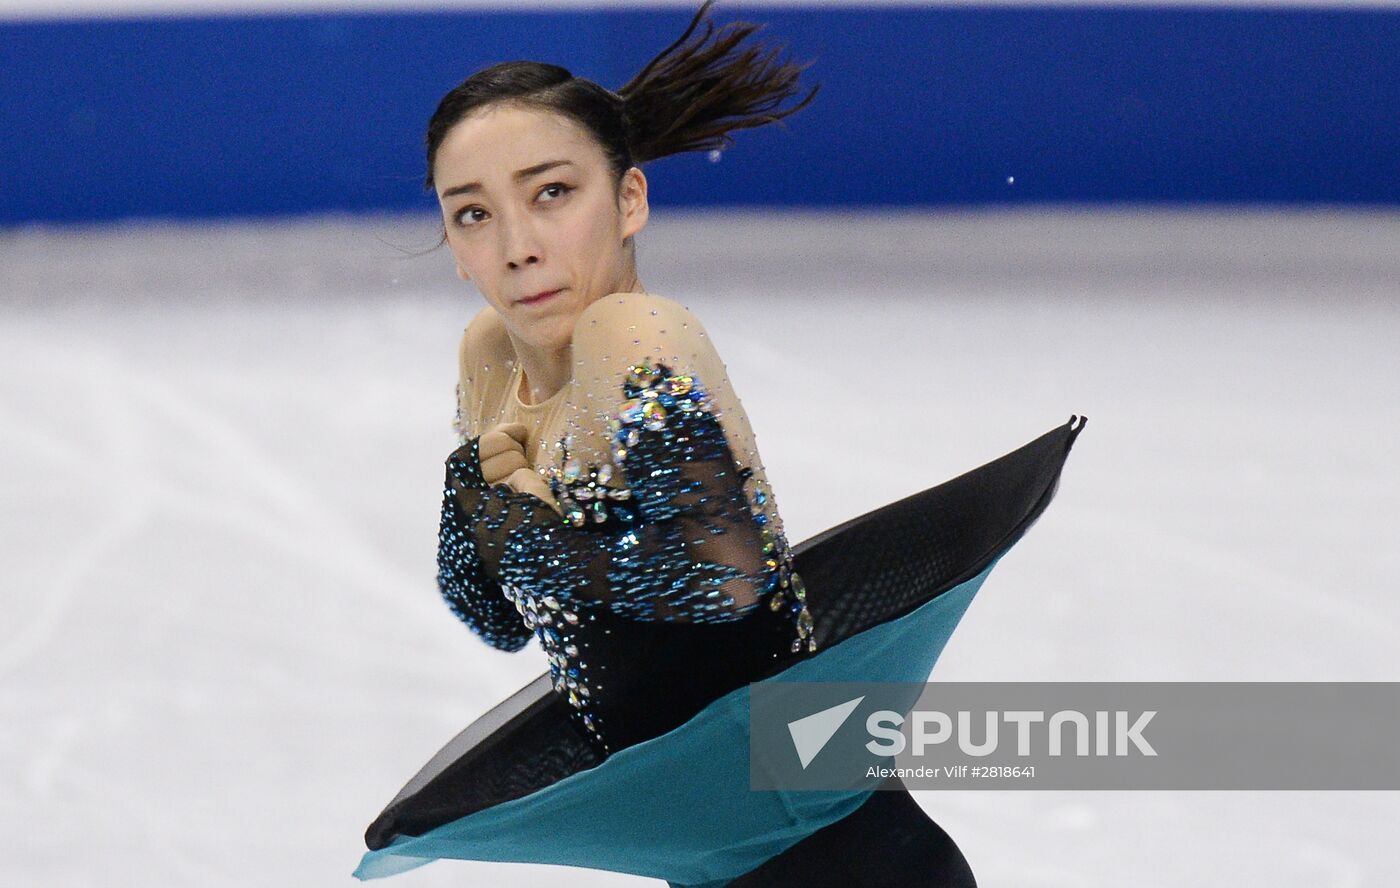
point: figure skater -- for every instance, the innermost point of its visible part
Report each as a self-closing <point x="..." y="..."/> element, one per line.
<point x="608" y="498"/>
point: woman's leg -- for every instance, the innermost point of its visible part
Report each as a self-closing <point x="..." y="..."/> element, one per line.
<point x="888" y="842"/>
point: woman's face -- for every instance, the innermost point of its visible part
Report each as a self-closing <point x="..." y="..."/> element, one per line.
<point x="528" y="206"/>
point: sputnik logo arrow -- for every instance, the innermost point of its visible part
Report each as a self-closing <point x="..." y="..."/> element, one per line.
<point x="811" y="733"/>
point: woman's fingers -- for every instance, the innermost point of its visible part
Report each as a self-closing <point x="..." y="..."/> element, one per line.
<point x="499" y="467"/>
<point x="495" y="441"/>
<point x="501" y="450"/>
<point x="517" y="431"/>
<point x="527" y="480"/>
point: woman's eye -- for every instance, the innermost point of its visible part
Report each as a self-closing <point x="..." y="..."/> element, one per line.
<point x="563" y="189"/>
<point x="560" y="187"/>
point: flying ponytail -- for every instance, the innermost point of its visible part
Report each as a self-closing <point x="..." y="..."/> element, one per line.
<point x="691" y="95"/>
<point x="688" y="98"/>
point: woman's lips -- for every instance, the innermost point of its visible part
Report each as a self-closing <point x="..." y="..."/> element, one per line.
<point x="538" y="299"/>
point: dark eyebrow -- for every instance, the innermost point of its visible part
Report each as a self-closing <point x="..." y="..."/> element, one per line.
<point x="519" y="174"/>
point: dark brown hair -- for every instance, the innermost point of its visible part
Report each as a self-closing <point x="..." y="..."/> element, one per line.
<point x="688" y="98"/>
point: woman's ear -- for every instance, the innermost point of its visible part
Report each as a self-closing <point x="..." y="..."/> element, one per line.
<point x="633" y="202"/>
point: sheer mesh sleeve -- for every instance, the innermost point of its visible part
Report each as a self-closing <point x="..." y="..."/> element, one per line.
<point x="656" y="522"/>
<point x="470" y="591"/>
<point x="474" y="595"/>
<point x="471" y="351"/>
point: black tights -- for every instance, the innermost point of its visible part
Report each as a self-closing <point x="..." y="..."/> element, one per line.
<point x="888" y="842"/>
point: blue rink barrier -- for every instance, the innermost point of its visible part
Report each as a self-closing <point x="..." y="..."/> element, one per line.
<point x="257" y="115"/>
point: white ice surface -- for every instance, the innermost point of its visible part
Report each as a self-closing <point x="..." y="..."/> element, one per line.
<point x="222" y="650"/>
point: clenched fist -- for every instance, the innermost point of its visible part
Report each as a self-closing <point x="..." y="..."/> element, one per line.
<point x="501" y="450"/>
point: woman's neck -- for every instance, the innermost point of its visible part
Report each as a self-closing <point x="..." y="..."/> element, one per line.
<point x="542" y="374"/>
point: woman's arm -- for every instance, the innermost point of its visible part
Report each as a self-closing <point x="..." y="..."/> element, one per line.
<point x="469" y="590"/>
<point x="657" y="521"/>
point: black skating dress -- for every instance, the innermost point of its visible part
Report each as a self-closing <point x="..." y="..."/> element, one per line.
<point x="659" y="582"/>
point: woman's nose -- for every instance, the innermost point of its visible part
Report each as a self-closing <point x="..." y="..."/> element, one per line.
<point x="521" y="247"/>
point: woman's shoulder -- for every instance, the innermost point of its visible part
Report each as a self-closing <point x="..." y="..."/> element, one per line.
<point x="632" y="305"/>
<point x="645" y="320"/>
<point x="484" y="346"/>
